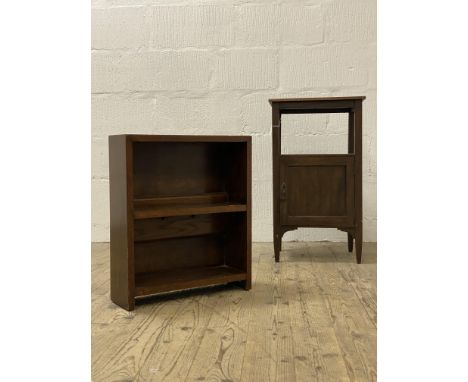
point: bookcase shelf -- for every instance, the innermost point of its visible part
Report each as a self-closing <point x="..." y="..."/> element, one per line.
<point x="180" y="213"/>
<point x="159" y="282"/>
<point x="184" y="209"/>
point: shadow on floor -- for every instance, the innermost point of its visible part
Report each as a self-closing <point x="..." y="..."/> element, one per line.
<point x="191" y="293"/>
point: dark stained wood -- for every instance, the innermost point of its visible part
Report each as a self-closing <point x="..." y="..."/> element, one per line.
<point x="315" y="99"/>
<point x="294" y="110"/>
<point x="316" y="107"/>
<point x="276" y="147"/>
<point x="214" y="197"/>
<point x="176" y="169"/>
<point x="351" y="140"/>
<point x="237" y="159"/>
<point x="187" y="220"/>
<point x="351" y="133"/>
<point x="158" y="282"/>
<point x="159" y="211"/>
<point x="247" y="243"/>
<point x="179" y="226"/>
<point x="121" y="223"/>
<point x="358" y="179"/>
<point x="237" y="240"/>
<point x="318" y="190"/>
<point x="181" y="252"/>
<point x="350" y="242"/>
<point x="187" y="138"/>
<point x="325" y="187"/>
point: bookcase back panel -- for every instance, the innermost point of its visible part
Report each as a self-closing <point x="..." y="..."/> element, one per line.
<point x="165" y="169"/>
<point x="236" y="241"/>
<point x="235" y="166"/>
<point x="224" y="236"/>
<point x="175" y="169"/>
<point x="179" y="253"/>
<point x="178" y="226"/>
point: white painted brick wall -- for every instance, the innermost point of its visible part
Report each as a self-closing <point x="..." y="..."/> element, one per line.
<point x="120" y="28"/>
<point x="150" y="71"/>
<point x="192" y="26"/>
<point x="334" y="66"/>
<point x="208" y="67"/>
<point x="257" y="25"/>
<point x="351" y="20"/>
<point x="246" y="69"/>
<point x="301" y="25"/>
<point x="121" y="114"/>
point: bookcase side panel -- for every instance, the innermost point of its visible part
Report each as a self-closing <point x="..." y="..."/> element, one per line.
<point x="248" y="282"/>
<point x="120" y="240"/>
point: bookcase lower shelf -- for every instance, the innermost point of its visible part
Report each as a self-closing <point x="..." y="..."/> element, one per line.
<point x="163" y="281"/>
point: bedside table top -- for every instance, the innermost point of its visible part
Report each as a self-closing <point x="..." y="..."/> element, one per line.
<point x="316" y="99"/>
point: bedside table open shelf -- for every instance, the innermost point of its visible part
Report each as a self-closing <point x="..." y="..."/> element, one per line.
<point x="180" y="213"/>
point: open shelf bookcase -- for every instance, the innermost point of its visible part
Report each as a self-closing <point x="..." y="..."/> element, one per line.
<point x="180" y="213"/>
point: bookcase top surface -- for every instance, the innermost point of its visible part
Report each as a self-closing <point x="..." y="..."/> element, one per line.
<point x="184" y="138"/>
<point x="316" y="99"/>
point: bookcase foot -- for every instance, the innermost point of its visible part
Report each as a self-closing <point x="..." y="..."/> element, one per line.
<point x="127" y="305"/>
<point x="245" y="284"/>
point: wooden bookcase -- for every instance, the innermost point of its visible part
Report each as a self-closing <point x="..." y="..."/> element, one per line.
<point x="322" y="190"/>
<point x="180" y="213"/>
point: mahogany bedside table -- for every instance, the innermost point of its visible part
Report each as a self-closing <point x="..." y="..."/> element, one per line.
<point x="323" y="190"/>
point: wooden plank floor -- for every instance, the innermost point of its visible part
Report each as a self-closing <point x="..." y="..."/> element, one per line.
<point x="312" y="317"/>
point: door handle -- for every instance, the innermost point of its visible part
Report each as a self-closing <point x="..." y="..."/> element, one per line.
<point x="283" y="190"/>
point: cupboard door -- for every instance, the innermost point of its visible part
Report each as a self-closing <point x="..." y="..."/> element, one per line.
<point x="317" y="190"/>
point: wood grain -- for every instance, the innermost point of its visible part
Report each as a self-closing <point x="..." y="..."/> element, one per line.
<point x="311" y="317"/>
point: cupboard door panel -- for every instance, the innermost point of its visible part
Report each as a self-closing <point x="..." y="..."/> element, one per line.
<point x="317" y="190"/>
